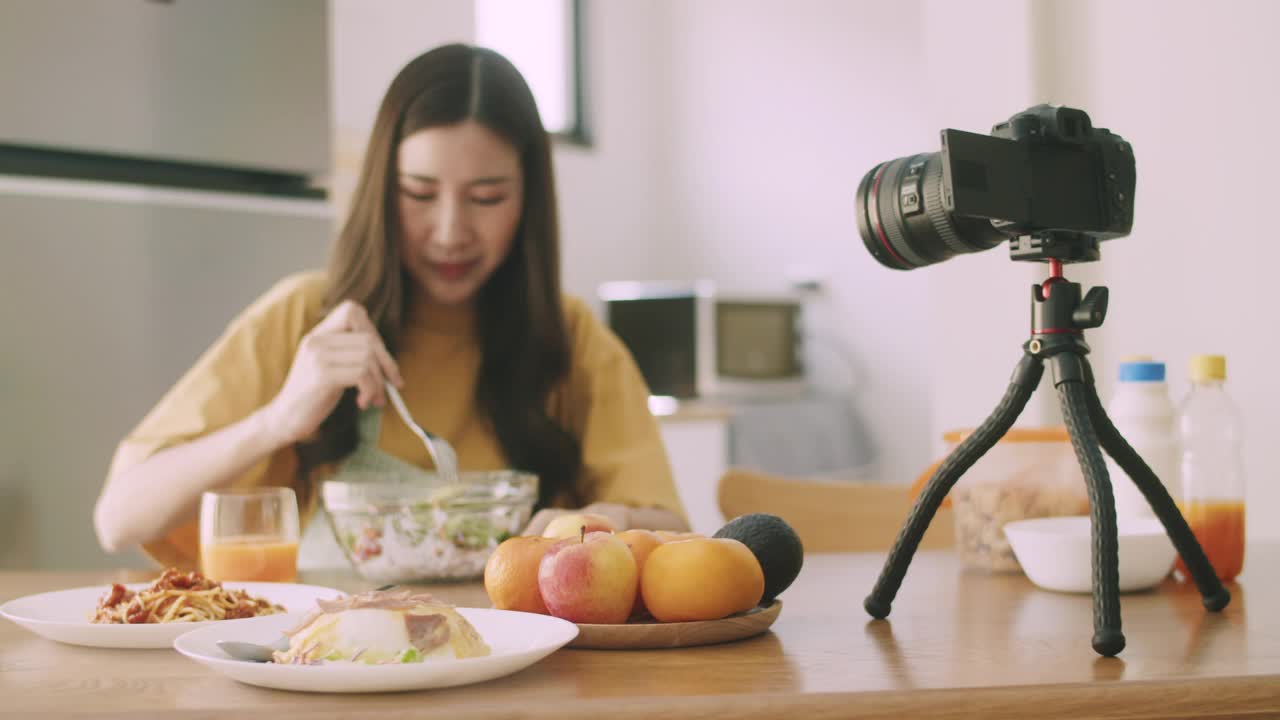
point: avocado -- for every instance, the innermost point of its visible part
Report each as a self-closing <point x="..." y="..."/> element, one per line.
<point x="774" y="543"/>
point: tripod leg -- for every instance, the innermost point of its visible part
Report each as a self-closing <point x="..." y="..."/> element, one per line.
<point x="1026" y="376"/>
<point x="1069" y="374"/>
<point x="1212" y="593"/>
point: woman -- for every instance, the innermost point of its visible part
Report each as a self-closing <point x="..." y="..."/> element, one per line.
<point x="444" y="281"/>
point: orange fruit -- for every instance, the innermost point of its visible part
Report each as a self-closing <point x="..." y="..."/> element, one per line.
<point x="511" y="574"/>
<point x="641" y="542"/>
<point x="701" y="579"/>
<point x="669" y="535"/>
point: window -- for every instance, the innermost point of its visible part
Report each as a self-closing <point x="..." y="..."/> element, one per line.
<point x="543" y="38"/>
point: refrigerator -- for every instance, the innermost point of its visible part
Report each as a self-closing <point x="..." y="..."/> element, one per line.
<point x="161" y="165"/>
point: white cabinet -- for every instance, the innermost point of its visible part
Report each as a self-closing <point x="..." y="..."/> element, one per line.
<point x="697" y="441"/>
<point x="115" y="293"/>
<point x="233" y="83"/>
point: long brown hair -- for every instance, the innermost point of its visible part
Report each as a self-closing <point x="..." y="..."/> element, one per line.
<point x="523" y="341"/>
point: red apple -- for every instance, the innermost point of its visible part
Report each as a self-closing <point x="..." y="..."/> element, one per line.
<point x="572" y="525"/>
<point x="591" y="578"/>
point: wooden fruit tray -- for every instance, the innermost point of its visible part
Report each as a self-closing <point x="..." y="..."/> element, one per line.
<point x="652" y="635"/>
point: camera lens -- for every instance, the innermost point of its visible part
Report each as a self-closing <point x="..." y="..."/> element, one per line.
<point x="903" y="221"/>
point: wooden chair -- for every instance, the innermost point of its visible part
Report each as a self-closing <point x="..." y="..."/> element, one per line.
<point x="831" y="516"/>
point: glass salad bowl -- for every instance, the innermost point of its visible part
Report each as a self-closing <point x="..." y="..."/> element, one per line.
<point x="426" y="529"/>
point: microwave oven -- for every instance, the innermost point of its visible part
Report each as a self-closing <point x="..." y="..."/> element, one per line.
<point x="692" y="341"/>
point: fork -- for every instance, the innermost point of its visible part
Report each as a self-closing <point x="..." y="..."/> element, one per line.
<point x="441" y="452"/>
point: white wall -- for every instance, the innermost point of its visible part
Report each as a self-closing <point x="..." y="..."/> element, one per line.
<point x="981" y="65"/>
<point x="369" y="42"/>
<point x="1196" y="94"/>
<point x="611" y="201"/>
<point x="774" y="112"/>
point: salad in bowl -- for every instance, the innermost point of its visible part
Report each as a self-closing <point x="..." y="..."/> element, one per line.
<point x="398" y="531"/>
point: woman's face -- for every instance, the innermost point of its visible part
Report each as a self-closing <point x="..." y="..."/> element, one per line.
<point x="460" y="195"/>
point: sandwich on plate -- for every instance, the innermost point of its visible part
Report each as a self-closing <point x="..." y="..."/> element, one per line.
<point x="382" y="628"/>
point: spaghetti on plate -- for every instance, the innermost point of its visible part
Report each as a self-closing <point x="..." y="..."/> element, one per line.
<point x="179" y="597"/>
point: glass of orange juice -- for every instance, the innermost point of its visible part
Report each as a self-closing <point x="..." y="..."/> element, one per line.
<point x="249" y="534"/>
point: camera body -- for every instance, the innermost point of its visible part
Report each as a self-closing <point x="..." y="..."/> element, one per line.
<point x="1046" y="180"/>
<point x="1046" y="168"/>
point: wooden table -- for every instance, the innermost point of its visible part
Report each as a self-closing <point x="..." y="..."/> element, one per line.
<point x="958" y="644"/>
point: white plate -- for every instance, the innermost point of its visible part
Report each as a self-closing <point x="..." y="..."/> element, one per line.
<point x="64" y="615"/>
<point x="517" y="640"/>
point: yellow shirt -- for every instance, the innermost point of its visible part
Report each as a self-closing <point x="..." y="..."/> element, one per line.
<point x="603" y="402"/>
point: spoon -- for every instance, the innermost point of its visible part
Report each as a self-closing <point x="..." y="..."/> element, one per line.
<point x="441" y="452"/>
<point x="253" y="652"/>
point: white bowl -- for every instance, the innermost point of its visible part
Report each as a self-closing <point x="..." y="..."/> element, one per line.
<point x="1056" y="552"/>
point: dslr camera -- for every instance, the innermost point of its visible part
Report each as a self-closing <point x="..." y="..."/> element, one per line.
<point x="1046" y="180"/>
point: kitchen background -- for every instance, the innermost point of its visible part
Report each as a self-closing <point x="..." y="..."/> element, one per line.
<point x="728" y="138"/>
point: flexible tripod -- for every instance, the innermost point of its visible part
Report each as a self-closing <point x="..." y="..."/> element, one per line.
<point x="1059" y="317"/>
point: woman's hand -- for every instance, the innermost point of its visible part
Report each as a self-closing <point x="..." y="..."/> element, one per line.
<point x="343" y="351"/>
<point x="619" y="514"/>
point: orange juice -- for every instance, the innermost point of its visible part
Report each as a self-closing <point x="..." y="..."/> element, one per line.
<point x="1219" y="526"/>
<point x="250" y="558"/>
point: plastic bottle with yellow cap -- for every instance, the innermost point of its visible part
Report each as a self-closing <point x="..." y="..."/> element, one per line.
<point x="1213" y="487"/>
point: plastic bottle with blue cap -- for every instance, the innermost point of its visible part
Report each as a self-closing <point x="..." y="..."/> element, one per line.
<point x="1144" y="413"/>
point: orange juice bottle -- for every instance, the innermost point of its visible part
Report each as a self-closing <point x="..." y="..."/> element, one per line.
<point x="1212" y="468"/>
<point x="1219" y="526"/>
